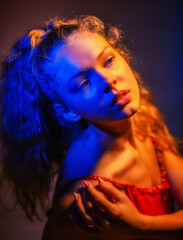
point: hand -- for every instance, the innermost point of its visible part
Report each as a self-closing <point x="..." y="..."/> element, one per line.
<point x="86" y="214"/>
<point x="98" y="209"/>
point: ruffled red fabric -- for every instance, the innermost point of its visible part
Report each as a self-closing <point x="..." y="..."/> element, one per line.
<point x="149" y="201"/>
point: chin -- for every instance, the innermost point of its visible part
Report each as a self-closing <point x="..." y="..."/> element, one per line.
<point x="131" y="110"/>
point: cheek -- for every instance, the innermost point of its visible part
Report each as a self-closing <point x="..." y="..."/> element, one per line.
<point x="89" y="107"/>
<point x="136" y="88"/>
<point x="90" y="100"/>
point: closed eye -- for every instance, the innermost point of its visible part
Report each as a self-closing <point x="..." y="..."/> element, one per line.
<point x="84" y="84"/>
<point x="109" y="61"/>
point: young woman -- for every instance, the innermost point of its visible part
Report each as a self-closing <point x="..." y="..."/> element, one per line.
<point x="71" y="101"/>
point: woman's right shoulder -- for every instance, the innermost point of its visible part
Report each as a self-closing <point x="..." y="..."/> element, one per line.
<point x="81" y="157"/>
<point x="73" y="167"/>
<point x="79" y="161"/>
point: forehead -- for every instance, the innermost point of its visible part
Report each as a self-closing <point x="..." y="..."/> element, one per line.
<point x="81" y="49"/>
<point x="79" y="52"/>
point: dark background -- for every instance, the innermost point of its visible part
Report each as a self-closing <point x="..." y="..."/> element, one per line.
<point x="153" y="30"/>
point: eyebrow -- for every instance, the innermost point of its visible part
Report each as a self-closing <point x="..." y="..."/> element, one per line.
<point x="86" y="70"/>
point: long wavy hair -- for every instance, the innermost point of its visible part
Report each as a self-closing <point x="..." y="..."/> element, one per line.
<point x="33" y="134"/>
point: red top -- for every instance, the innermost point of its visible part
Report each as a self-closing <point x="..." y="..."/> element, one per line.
<point x="149" y="201"/>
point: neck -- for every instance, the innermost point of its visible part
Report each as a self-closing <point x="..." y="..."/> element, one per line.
<point x="113" y="135"/>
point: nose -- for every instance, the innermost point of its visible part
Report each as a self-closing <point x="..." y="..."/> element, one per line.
<point x="110" y="86"/>
<point x="108" y="77"/>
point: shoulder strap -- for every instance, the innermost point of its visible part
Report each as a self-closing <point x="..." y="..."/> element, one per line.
<point x="160" y="158"/>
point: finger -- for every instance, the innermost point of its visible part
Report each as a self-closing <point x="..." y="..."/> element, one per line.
<point x="89" y="222"/>
<point x="82" y="210"/>
<point x="87" y="202"/>
<point x="82" y="226"/>
<point x="102" y="202"/>
<point x="103" y="218"/>
<point x="112" y="191"/>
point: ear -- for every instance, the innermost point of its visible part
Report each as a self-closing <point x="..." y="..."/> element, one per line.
<point x="70" y="115"/>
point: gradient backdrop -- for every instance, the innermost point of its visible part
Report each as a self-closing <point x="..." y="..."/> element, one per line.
<point x="153" y="31"/>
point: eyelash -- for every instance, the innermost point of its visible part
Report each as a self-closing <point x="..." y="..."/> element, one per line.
<point x="81" y="85"/>
<point x="86" y="79"/>
<point x="110" y="60"/>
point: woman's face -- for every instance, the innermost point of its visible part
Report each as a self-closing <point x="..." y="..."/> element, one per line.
<point x="90" y="76"/>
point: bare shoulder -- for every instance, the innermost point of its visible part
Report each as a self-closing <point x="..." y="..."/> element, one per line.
<point x="79" y="161"/>
<point x="173" y="161"/>
<point x="174" y="167"/>
<point x="81" y="158"/>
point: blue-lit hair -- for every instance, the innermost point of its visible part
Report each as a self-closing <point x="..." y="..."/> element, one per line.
<point x="33" y="133"/>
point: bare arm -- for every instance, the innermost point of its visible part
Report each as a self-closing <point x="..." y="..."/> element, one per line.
<point x="168" y="226"/>
<point x="168" y="222"/>
<point x="173" y="221"/>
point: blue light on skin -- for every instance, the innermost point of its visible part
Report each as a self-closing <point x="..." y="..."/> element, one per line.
<point x="86" y="65"/>
<point x="82" y="158"/>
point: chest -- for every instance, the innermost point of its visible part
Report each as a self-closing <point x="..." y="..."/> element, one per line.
<point x="128" y="165"/>
<point x="139" y="168"/>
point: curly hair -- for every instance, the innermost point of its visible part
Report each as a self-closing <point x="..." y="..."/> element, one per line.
<point x="33" y="133"/>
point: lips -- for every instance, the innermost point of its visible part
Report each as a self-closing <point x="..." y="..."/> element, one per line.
<point x="122" y="98"/>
